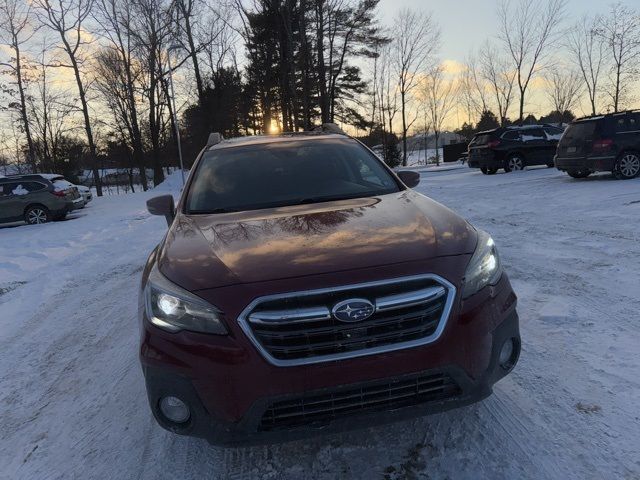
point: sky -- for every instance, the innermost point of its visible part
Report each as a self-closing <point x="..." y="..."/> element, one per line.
<point x="466" y="24"/>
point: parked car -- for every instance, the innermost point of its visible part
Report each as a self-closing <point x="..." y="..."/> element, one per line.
<point x="604" y="143"/>
<point x="85" y="192"/>
<point x="304" y="286"/>
<point x="33" y="199"/>
<point x="62" y="183"/>
<point x="514" y="148"/>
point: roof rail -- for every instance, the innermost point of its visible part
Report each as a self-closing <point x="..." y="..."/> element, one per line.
<point x="608" y="114"/>
<point x="214" y="139"/>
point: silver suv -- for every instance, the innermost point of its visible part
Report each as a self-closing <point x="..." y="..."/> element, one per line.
<point x="34" y="199"/>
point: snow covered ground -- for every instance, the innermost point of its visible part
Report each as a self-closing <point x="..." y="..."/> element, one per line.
<point x="72" y="402"/>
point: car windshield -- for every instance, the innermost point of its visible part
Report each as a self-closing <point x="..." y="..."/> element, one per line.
<point x="286" y="173"/>
<point x="482" y="139"/>
<point x="580" y="130"/>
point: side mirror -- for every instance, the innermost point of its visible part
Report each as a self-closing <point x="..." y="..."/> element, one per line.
<point x="409" y="178"/>
<point x="162" y="205"/>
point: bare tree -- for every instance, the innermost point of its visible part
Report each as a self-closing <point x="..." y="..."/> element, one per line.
<point x="527" y="30"/>
<point x="49" y="110"/>
<point x="119" y="74"/>
<point x="15" y="31"/>
<point x="563" y="89"/>
<point x="151" y="28"/>
<point x="501" y="79"/>
<point x="588" y="53"/>
<point x="219" y="37"/>
<point x="417" y="38"/>
<point x="620" y="31"/>
<point x="387" y="93"/>
<point x="187" y="13"/>
<point x="439" y="95"/>
<point x="473" y="88"/>
<point x="66" y="18"/>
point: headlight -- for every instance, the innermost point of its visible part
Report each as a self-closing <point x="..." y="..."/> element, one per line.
<point x="484" y="268"/>
<point x="173" y="308"/>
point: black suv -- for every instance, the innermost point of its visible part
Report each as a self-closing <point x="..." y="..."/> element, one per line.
<point x="513" y="148"/>
<point x="34" y="199"/>
<point x="605" y="143"/>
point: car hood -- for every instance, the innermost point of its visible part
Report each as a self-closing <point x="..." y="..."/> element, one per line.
<point x="210" y="251"/>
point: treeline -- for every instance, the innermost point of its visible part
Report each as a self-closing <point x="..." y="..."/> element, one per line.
<point x="88" y="83"/>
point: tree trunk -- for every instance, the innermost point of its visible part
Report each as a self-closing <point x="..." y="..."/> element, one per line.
<point x="85" y="113"/>
<point x="192" y="51"/>
<point x="304" y="56"/>
<point x="404" y="127"/>
<point x="521" y="106"/>
<point x="31" y="157"/>
<point x="322" y="69"/>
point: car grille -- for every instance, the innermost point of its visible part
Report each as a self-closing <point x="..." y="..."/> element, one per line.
<point x="384" y="396"/>
<point x="299" y="328"/>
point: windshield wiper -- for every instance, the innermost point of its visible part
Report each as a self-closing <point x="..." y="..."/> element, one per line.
<point x="334" y="198"/>
<point x="209" y="212"/>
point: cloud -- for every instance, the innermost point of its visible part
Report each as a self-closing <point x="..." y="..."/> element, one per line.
<point x="453" y="67"/>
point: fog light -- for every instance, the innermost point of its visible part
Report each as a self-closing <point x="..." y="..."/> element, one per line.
<point x="174" y="409"/>
<point x="508" y="354"/>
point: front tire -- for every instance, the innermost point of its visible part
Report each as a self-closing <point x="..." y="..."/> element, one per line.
<point x="488" y="171"/>
<point x="37" y="214"/>
<point x="627" y="166"/>
<point x="514" y="162"/>
<point x="579" y="173"/>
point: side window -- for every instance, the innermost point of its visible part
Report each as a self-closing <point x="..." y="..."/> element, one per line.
<point x="8" y="188"/>
<point x="628" y="123"/>
<point x="553" y="133"/>
<point x="511" y="135"/>
<point x="19" y="189"/>
<point x="533" y="134"/>
<point x="34" y="186"/>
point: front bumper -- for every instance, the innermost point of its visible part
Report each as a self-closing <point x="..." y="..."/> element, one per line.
<point x="603" y="163"/>
<point x="229" y="386"/>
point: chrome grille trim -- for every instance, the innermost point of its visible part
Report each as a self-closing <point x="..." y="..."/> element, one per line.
<point x="300" y="315"/>
<point x="409" y="299"/>
<point x="393" y="301"/>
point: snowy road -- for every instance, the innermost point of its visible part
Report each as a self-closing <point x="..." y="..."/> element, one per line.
<point x="72" y="402"/>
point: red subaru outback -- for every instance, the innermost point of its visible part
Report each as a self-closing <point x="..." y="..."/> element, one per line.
<point x="303" y="286"/>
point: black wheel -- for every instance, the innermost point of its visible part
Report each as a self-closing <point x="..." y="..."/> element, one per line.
<point x="627" y="166"/>
<point x="551" y="165"/>
<point x="37" y="214"/>
<point x="488" y="170"/>
<point x="579" y="173"/>
<point x="514" y="162"/>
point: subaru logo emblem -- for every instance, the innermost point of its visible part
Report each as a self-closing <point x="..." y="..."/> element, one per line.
<point x="353" y="310"/>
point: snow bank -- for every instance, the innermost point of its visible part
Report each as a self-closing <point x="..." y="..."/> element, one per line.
<point x="172" y="182"/>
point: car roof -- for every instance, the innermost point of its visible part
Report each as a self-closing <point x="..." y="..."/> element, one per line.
<point x="52" y="176"/>
<point x="516" y="128"/>
<point x="270" y="139"/>
<point x="26" y="176"/>
<point x="606" y="115"/>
